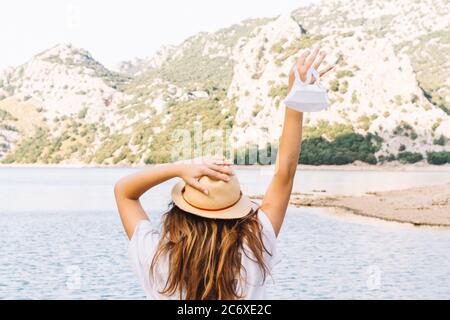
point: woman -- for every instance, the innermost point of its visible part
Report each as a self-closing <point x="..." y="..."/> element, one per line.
<point x="215" y="243"/>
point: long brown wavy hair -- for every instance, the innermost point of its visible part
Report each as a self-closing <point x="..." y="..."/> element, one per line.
<point x="205" y="254"/>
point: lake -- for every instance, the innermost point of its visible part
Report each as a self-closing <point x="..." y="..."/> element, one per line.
<point x="61" y="237"/>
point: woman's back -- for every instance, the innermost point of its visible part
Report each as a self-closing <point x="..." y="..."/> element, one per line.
<point x="144" y="246"/>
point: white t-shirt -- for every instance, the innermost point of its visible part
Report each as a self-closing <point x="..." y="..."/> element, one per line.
<point x="144" y="243"/>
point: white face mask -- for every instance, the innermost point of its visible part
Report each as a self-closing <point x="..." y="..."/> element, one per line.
<point x="305" y="97"/>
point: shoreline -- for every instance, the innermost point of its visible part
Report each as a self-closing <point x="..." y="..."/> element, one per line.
<point x="347" y="167"/>
<point x="419" y="206"/>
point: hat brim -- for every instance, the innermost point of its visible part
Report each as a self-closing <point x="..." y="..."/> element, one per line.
<point x="240" y="209"/>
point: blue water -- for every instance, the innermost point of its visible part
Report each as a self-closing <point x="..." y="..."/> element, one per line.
<point x="60" y="237"/>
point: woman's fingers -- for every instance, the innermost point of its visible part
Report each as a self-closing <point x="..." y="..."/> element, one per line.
<point x="194" y="183"/>
<point x="309" y="61"/>
<point x="216" y="175"/>
<point x="223" y="162"/>
<point x="302" y="58"/>
<point x="206" y="160"/>
<point x="214" y="171"/>
<point x="319" y="60"/>
<point x="327" y="69"/>
<point x="226" y="169"/>
<point x="300" y="65"/>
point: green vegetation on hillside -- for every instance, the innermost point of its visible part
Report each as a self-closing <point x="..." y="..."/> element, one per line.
<point x="429" y="55"/>
<point x="193" y="69"/>
<point x="409" y="157"/>
<point x="278" y="91"/>
<point x="441" y="141"/>
<point x="405" y="129"/>
<point x="364" y="122"/>
<point x="110" y="146"/>
<point x="344" y="149"/>
<point x="305" y="41"/>
<point x="5" y="116"/>
<point x="75" y="141"/>
<point x="161" y="101"/>
<point x="438" y="158"/>
<point x="327" y="130"/>
<point x="112" y="79"/>
<point x="31" y="149"/>
<point x="196" y="68"/>
<point x="204" y="113"/>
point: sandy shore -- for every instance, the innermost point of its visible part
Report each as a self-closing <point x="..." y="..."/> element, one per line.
<point x="420" y="206"/>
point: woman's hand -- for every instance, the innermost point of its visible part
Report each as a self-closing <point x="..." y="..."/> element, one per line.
<point x="129" y="189"/>
<point x="214" y="168"/>
<point x="308" y="59"/>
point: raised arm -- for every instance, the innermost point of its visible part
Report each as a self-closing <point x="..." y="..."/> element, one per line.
<point x="277" y="196"/>
<point x="129" y="189"/>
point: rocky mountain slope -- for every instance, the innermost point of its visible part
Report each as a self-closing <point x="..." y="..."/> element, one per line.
<point x="390" y="92"/>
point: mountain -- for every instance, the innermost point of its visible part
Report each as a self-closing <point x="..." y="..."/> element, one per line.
<point x="138" y="65"/>
<point x="390" y="92"/>
<point x="48" y="101"/>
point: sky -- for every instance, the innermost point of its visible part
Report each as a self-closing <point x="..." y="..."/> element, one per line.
<point x="114" y="31"/>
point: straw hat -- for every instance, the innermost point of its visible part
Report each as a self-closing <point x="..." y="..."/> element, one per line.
<point x="223" y="201"/>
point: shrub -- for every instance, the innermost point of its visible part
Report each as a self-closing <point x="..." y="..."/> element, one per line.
<point x="391" y="157"/>
<point x="334" y="85"/>
<point x="414" y="98"/>
<point x="256" y="75"/>
<point x="344" y="73"/>
<point x="409" y="157"/>
<point x="260" y="53"/>
<point x="354" y="97"/>
<point x="5" y="115"/>
<point x="278" y="91"/>
<point x="441" y="141"/>
<point x="348" y="34"/>
<point x="345" y="149"/>
<point x="436" y="124"/>
<point x="364" y="122"/>
<point x="438" y="158"/>
<point x="257" y="110"/>
<point x="82" y="113"/>
<point x="405" y="129"/>
<point x="387" y="158"/>
<point x="344" y="87"/>
<point x="277" y="48"/>
<point x="402" y="147"/>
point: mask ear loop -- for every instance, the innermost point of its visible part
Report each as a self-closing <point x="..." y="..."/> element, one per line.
<point x="316" y="75"/>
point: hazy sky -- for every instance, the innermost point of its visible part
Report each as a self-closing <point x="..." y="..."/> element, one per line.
<point x="118" y="30"/>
